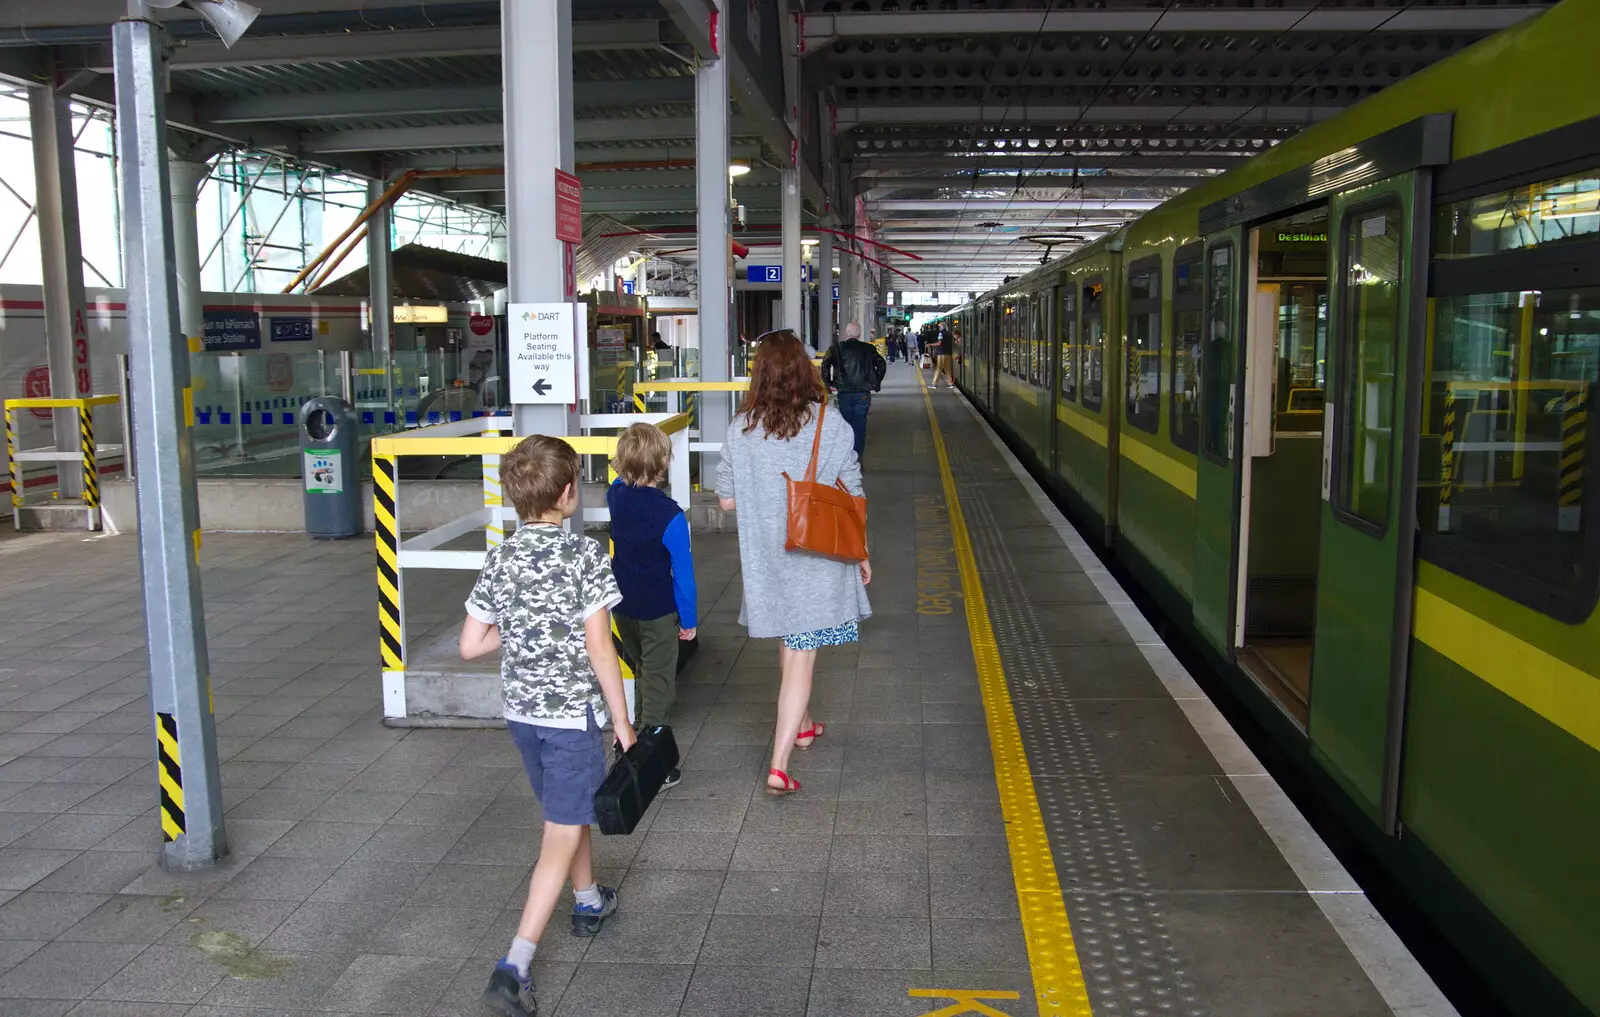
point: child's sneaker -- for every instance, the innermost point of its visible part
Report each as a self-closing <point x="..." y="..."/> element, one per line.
<point x="509" y="993"/>
<point x="587" y="921"/>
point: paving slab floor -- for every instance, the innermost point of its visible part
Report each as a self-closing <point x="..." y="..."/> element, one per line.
<point x="381" y="870"/>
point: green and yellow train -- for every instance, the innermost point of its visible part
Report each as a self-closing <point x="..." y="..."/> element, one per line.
<point x="1335" y="412"/>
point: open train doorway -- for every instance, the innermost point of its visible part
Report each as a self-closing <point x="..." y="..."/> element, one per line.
<point x="1285" y="381"/>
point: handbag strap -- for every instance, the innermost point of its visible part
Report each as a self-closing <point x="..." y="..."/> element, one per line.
<point x="816" y="444"/>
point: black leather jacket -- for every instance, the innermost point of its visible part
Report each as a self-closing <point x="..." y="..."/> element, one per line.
<point x="853" y="366"/>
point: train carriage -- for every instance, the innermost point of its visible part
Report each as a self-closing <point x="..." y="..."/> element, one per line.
<point x="1333" y="411"/>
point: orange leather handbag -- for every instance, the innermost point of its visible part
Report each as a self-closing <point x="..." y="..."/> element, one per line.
<point x="825" y="520"/>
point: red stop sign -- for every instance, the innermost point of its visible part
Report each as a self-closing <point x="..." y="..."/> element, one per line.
<point x="481" y="324"/>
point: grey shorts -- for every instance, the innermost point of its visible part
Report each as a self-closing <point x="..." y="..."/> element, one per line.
<point x="566" y="766"/>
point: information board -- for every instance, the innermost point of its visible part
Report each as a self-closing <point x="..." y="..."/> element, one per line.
<point x="543" y="368"/>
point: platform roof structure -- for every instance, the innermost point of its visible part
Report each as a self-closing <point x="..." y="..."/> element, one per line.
<point x="978" y="134"/>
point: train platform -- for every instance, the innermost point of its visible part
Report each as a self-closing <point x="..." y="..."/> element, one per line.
<point x="1023" y="804"/>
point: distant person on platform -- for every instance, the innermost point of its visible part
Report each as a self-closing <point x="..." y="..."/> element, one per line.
<point x="853" y="370"/>
<point x="944" y="355"/>
<point x="658" y="343"/>
<point x="894" y="346"/>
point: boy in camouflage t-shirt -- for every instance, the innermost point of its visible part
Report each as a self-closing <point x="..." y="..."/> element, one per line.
<point x="544" y="600"/>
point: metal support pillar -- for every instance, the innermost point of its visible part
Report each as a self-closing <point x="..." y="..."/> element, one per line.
<point x="825" y="291"/>
<point x="793" y="309"/>
<point x="847" y="292"/>
<point x="188" y="783"/>
<point x="184" y="178"/>
<point x="380" y="272"/>
<point x="711" y="127"/>
<point x="61" y="257"/>
<point x="536" y="43"/>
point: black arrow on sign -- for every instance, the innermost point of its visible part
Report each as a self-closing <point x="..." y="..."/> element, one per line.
<point x="541" y="386"/>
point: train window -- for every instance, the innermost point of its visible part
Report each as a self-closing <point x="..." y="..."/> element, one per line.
<point x="1143" y="376"/>
<point x="1067" y="344"/>
<point x="1538" y="215"/>
<point x="1008" y="337"/>
<point x="1183" y="385"/>
<point x="1094" y="343"/>
<point x="1507" y="429"/>
<point x="1217" y="355"/>
<point x="1368" y="353"/>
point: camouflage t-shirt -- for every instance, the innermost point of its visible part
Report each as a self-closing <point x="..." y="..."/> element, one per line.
<point x="540" y="586"/>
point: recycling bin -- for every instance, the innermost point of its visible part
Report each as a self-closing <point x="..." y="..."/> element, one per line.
<point x="329" y="453"/>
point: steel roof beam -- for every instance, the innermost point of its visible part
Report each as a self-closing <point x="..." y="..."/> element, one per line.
<point x="368" y="103"/>
<point x="985" y="116"/>
<point x="494" y="156"/>
<point x="877" y="163"/>
<point x="954" y="206"/>
<point x="447" y="136"/>
<point x="692" y="18"/>
<point x="768" y="205"/>
<point x="409" y="44"/>
<point x="822" y="29"/>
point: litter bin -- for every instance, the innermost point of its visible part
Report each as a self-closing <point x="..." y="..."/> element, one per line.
<point x="329" y="457"/>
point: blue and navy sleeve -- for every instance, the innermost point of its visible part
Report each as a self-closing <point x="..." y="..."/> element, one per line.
<point x="676" y="540"/>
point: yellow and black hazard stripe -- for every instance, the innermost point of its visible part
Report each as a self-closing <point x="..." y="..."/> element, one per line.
<point x="390" y="644"/>
<point x="173" y="824"/>
<point x="1574" y="427"/>
<point x="91" y="473"/>
<point x="13" y="468"/>
<point x="1447" y="454"/>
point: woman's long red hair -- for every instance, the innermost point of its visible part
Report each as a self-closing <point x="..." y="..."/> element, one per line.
<point x="784" y="385"/>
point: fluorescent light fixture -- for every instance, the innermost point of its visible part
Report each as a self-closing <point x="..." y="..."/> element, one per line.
<point x="809" y="241"/>
<point x="738" y="169"/>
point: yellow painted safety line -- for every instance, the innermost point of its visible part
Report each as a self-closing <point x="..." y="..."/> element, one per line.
<point x="1057" y="976"/>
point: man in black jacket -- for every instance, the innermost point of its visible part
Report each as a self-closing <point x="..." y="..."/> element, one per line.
<point x="853" y="370"/>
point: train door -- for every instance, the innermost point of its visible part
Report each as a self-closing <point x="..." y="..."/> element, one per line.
<point x="1216" y="467"/>
<point x="1368" y="512"/>
<point x="1285" y="350"/>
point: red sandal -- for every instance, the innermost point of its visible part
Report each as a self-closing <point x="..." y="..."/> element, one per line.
<point x="790" y="785"/>
<point x="815" y="731"/>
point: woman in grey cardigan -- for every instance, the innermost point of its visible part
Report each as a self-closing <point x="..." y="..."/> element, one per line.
<point x="805" y="600"/>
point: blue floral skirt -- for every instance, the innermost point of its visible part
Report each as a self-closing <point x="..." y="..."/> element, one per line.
<point x="837" y="635"/>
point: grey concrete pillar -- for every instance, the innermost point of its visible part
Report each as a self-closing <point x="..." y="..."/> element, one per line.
<point x="380" y="271"/>
<point x="711" y="102"/>
<point x="536" y="43"/>
<point x="188" y="788"/>
<point x="825" y="282"/>
<point x="793" y="308"/>
<point x="61" y="257"/>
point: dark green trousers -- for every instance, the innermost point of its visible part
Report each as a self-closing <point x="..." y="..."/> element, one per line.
<point x="654" y="644"/>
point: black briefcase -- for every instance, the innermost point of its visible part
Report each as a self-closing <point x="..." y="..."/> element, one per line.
<point x="635" y="779"/>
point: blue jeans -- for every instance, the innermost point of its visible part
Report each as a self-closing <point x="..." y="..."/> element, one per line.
<point x="854" y="407"/>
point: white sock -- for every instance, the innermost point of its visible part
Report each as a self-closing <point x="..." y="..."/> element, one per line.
<point x="589" y="898"/>
<point x="520" y="956"/>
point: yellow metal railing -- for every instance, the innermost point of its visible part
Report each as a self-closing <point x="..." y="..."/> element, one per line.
<point x="87" y="452"/>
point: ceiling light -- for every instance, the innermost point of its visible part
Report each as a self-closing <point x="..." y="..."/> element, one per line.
<point x="809" y="241"/>
<point x="738" y="169"/>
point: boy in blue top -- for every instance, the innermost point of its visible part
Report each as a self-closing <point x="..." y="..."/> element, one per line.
<point x="654" y="570"/>
<point x="543" y="600"/>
